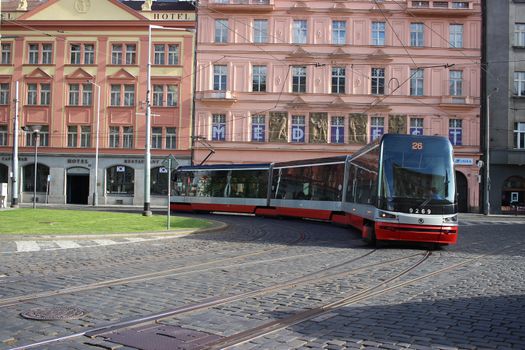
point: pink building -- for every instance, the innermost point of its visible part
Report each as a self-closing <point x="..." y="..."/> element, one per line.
<point x="281" y="80"/>
<point x="62" y="54"/>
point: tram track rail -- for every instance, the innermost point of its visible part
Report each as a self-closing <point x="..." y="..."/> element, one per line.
<point x="16" y="300"/>
<point x="317" y="276"/>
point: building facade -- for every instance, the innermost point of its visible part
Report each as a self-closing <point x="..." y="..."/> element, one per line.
<point x="81" y="68"/>
<point x="504" y="94"/>
<point x="281" y="79"/>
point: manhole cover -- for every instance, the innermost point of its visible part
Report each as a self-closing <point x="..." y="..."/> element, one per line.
<point x="53" y="313"/>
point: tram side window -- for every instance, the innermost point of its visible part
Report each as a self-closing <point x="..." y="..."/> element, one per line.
<point x="248" y="183"/>
<point x="351" y="183"/>
<point x="216" y="185"/>
<point x="293" y="183"/>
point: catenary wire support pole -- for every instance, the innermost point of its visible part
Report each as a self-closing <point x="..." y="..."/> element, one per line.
<point x="487" y="156"/>
<point x="14" y="160"/>
<point x="95" y="187"/>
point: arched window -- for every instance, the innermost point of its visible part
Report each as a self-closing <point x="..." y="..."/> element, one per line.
<point x="159" y="180"/>
<point x="4" y="173"/>
<point x="42" y="172"/>
<point x="120" y="180"/>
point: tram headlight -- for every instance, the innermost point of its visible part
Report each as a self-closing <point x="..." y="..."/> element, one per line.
<point x="450" y="219"/>
<point x="385" y="215"/>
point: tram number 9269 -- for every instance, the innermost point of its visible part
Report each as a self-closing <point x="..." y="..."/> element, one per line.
<point x="419" y="211"/>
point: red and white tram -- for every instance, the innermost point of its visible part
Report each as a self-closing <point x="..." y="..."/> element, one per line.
<point x="399" y="188"/>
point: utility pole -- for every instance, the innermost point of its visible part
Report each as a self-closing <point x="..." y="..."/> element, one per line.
<point x="14" y="160"/>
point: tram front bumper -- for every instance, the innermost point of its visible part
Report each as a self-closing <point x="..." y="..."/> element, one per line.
<point x="388" y="231"/>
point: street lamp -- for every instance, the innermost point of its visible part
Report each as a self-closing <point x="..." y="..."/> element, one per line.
<point x="147" y="156"/>
<point x="95" y="190"/>
<point x="487" y="156"/>
<point x="35" y="131"/>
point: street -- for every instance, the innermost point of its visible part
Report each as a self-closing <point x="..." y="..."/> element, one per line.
<point x="227" y="287"/>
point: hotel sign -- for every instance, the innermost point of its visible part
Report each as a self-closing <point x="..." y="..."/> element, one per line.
<point x="169" y="16"/>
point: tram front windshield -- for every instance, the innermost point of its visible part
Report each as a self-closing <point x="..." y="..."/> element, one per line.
<point x="417" y="174"/>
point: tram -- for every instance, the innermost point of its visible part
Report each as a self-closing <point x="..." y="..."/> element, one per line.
<point x="398" y="188"/>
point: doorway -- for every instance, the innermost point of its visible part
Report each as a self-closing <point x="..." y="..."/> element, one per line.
<point x="462" y="189"/>
<point x="77" y="190"/>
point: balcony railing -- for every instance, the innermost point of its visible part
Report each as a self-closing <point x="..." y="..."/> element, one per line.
<point x="434" y="7"/>
<point x="242" y="5"/>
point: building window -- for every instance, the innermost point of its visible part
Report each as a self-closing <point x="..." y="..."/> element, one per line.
<point x="338" y="32"/>
<point x="416" y="126"/>
<point x="165" y="95"/>
<point x="40" y="53"/>
<point x="74" y="94"/>
<point x="156" y="138"/>
<point x="259" y="79"/>
<point x="218" y="128"/>
<point x="377" y="128"/>
<point x="159" y="180"/>
<point x="338" y="80"/>
<point x="378" y="33"/>
<point x="258" y="128"/>
<point x="78" y="91"/>
<point x="171" y="138"/>
<point x="114" y="136"/>
<point x="298" y="79"/>
<point x="416" y="82"/>
<point x="519" y="83"/>
<point x="72" y="135"/>
<point x="416" y="34"/>
<point x="6" y="53"/>
<point x="219" y="77"/>
<point x="456" y="83"/>
<point x="519" y="35"/>
<point x="38" y="94"/>
<point x="3" y="135"/>
<point x="378" y="81"/>
<point x="455" y="132"/>
<point x="85" y="136"/>
<point x="337" y="130"/>
<point x="127" y="91"/>
<point x="161" y="51"/>
<point x="4" y="94"/>
<point x="43" y="136"/>
<point x="127" y="137"/>
<point x="131" y="53"/>
<point x="118" y="51"/>
<point x="42" y="172"/>
<point x="519" y="135"/>
<point x="260" y="31"/>
<point x="299" y="31"/>
<point x="456" y="35"/>
<point x="82" y="54"/>
<point x="120" y="180"/>
<point x="221" y="30"/>
<point x="298" y="128"/>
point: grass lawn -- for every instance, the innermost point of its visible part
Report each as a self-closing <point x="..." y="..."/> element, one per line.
<point x="51" y="221"/>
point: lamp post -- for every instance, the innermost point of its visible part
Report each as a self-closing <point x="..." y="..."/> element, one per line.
<point x="35" y="131"/>
<point x="487" y="156"/>
<point x="147" y="155"/>
<point x="14" y="179"/>
<point x="95" y="188"/>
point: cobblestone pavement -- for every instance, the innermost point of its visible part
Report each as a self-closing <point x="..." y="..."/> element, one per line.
<point x="479" y="305"/>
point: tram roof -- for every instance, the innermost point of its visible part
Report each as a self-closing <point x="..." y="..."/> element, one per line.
<point x="337" y="159"/>
<point x="225" y="167"/>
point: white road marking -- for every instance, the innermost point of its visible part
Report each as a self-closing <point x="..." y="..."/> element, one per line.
<point x="27" y="246"/>
<point x="67" y="244"/>
<point x="104" y="241"/>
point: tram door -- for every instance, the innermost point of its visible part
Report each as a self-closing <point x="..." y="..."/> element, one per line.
<point x="77" y="188"/>
<point x="462" y="188"/>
